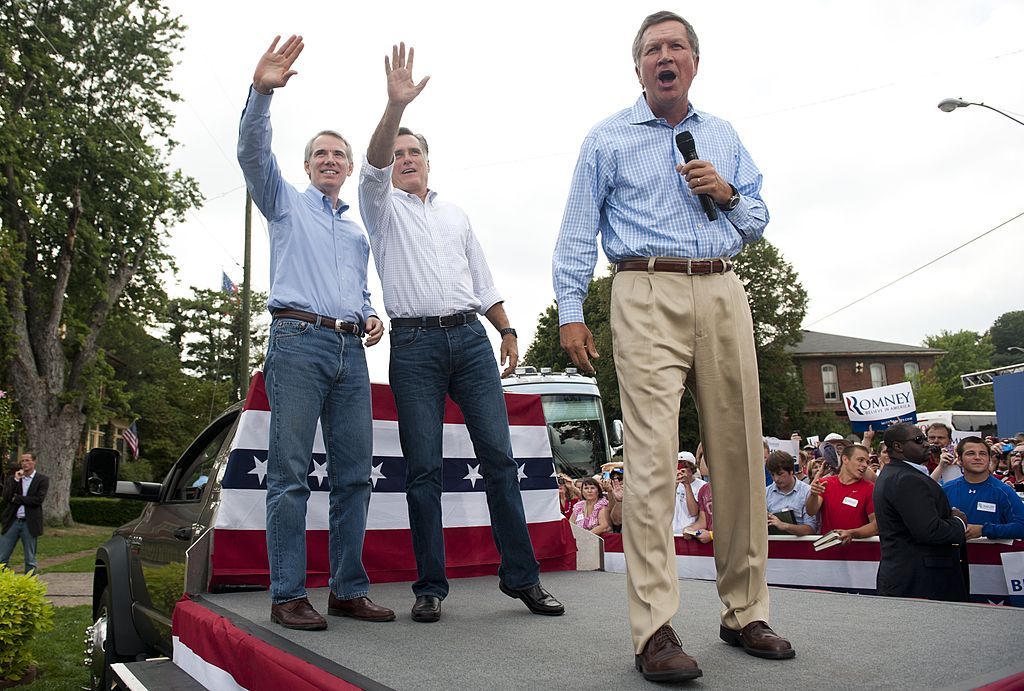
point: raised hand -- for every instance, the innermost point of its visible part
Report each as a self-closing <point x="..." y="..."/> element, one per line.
<point x="401" y="87"/>
<point x="275" y="67"/>
<point x="817" y="487"/>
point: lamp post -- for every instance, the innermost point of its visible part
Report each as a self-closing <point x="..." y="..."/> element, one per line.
<point x="948" y="105"/>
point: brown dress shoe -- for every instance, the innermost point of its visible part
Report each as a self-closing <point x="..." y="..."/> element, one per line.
<point x="297" y="614"/>
<point x="758" y="639"/>
<point x="358" y="608"/>
<point x="663" y="659"/>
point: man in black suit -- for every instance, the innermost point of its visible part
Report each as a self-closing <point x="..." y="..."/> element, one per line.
<point x="920" y="534"/>
<point x="22" y="518"/>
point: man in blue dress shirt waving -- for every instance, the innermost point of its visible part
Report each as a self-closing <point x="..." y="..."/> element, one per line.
<point x="315" y="365"/>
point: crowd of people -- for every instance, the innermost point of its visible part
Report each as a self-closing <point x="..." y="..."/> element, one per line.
<point x="818" y="491"/>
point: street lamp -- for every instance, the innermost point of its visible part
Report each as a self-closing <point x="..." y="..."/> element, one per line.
<point x="948" y="105"/>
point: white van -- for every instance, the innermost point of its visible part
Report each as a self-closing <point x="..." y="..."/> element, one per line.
<point x="962" y="422"/>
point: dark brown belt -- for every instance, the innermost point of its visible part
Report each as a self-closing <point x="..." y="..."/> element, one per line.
<point x="312" y="318"/>
<point x="693" y="267"/>
<point x="446" y="322"/>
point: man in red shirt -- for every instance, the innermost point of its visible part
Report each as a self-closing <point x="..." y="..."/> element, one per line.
<point x="845" y="500"/>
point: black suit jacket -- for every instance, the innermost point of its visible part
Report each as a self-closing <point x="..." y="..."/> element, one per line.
<point x="920" y="539"/>
<point x="32" y="501"/>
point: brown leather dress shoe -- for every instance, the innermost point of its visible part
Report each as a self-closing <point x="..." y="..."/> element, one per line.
<point x="758" y="639"/>
<point x="358" y="608"/>
<point x="663" y="659"/>
<point x="297" y="614"/>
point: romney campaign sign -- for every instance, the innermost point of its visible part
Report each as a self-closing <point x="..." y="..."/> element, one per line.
<point x="880" y="408"/>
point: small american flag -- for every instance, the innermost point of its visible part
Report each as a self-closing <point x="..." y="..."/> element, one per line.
<point x="131" y="438"/>
<point x="226" y="284"/>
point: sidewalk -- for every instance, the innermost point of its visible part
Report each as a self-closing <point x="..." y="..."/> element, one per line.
<point x="67" y="589"/>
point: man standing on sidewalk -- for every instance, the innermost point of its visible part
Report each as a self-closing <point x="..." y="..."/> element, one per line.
<point x="315" y="365"/>
<point x="23" y="495"/>
<point x="436" y="281"/>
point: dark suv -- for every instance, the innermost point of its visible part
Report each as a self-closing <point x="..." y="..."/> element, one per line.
<point x="144" y="569"/>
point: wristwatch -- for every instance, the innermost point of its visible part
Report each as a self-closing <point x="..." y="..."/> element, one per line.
<point x="507" y="331"/>
<point x="733" y="202"/>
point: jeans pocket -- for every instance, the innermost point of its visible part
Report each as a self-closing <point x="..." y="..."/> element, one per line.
<point x="403" y="337"/>
<point x="478" y="328"/>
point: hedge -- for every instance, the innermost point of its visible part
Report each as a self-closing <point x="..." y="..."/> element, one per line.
<point x="101" y="511"/>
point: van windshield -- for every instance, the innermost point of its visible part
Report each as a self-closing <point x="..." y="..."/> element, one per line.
<point x="576" y="433"/>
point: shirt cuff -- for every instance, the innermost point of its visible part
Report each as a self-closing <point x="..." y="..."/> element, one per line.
<point x="739" y="217"/>
<point x="488" y="299"/>
<point x="260" y="103"/>
<point x="570" y="311"/>
<point x="379" y="174"/>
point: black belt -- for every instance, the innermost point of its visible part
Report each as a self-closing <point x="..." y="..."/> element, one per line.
<point x="436" y="322"/>
<point x="693" y="267"/>
<point x="313" y="318"/>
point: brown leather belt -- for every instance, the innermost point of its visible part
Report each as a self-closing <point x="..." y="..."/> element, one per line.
<point x="692" y="267"/>
<point x="313" y="318"/>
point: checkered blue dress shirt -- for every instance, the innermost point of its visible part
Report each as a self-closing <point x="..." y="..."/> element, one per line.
<point x="626" y="188"/>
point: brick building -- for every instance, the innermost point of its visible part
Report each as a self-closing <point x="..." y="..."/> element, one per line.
<point x="831" y="365"/>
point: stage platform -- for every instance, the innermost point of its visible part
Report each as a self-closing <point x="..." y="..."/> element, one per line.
<point x="486" y="640"/>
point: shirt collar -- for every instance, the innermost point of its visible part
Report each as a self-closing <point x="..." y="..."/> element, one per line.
<point x="641" y="113"/>
<point x="792" y="489"/>
<point x="321" y="200"/>
<point x="916" y="466"/>
<point x="29" y="477"/>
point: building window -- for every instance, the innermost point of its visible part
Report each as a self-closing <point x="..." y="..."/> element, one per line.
<point x="878" y="375"/>
<point x="911" y="370"/>
<point x="830" y="382"/>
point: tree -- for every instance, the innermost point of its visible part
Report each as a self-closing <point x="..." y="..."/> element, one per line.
<point x="966" y="351"/>
<point x="778" y="304"/>
<point x="87" y="198"/>
<point x="206" y="332"/>
<point x="1007" y="331"/>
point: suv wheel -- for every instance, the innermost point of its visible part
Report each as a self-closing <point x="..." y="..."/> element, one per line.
<point x="99" y="646"/>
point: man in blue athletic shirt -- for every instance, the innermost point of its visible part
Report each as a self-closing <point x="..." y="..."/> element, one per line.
<point x="993" y="509"/>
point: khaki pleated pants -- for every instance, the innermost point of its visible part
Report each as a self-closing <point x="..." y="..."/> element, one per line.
<point x="671" y="330"/>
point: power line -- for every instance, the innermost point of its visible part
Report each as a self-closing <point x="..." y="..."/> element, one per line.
<point x="911" y="273"/>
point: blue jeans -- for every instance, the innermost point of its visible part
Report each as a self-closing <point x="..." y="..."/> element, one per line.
<point x="314" y="372"/>
<point x="425" y="365"/>
<point x="19" y="530"/>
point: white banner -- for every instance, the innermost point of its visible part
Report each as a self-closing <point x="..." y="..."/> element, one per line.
<point x="880" y="407"/>
<point x="1013" y="571"/>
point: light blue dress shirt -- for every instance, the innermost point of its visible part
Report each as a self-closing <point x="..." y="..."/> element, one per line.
<point x="626" y="187"/>
<point x="318" y="255"/>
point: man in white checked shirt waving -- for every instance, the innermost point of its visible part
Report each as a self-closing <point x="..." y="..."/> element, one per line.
<point x="436" y="281"/>
<point x="679" y="316"/>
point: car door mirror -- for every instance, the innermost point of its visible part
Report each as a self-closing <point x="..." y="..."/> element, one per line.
<point x="99" y="472"/>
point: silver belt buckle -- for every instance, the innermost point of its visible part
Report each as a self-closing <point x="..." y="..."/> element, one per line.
<point x="689" y="267"/>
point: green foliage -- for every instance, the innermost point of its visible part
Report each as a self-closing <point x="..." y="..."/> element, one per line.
<point x="24" y="612"/>
<point x="1007" y="331"/>
<point x="966" y="351"/>
<point x="8" y="420"/>
<point x="103" y="511"/>
<point x="778" y="304"/>
<point x="206" y="331"/>
<point x="88" y="194"/>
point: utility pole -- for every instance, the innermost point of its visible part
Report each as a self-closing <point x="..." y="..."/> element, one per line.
<point x="243" y="363"/>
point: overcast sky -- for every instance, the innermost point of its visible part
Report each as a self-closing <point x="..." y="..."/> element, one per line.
<point x="864" y="177"/>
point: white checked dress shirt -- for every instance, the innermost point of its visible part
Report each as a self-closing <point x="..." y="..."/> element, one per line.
<point x="26" y="482"/>
<point x="428" y="259"/>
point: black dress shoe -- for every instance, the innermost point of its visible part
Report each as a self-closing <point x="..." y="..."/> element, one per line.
<point x="538" y="600"/>
<point x="427" y="608"/>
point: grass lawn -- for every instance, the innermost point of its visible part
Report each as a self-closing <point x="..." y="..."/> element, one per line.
<point x="55" y="542"/>
<point x="60" y="652"/>
<point x="81" y="565"/>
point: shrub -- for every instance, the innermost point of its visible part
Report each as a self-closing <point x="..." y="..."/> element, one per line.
<point x="23" y="613"/>
<point x="102" y="511"/>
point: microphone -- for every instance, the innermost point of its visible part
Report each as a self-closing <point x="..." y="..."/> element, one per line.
<point x="684" y="142"/>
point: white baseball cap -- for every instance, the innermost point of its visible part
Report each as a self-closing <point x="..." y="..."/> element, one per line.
<point x="835" y="437"/>
<point x="686" y="456"/>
